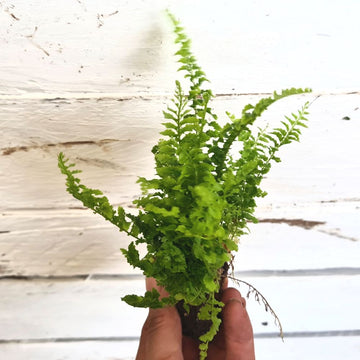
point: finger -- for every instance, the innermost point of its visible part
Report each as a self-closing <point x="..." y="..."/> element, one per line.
<point x="152" y="284"/>
<point x="190" y="348"/>
<point x="225" y="283"/>
<point x="229" y="294"/>
<point x="237" y="330"/>
<point x="161" y="336"/>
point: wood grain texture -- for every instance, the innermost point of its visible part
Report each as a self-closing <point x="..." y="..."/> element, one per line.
<point x="70" y="243"/>
<point x="93" y="309"/>
<point x="125" y="46"/>
<point x="328" y="348"/>
<point x="111" y="141"/>
<point x="91" y="79"/>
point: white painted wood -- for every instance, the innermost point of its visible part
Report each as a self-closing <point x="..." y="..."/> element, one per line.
<point x="313" y="349"/>
<point x="71" y="351"/>
<point x="111" y="142"/>
<point x="125" y="46"/>
<point x="115" y="144"/>
<point x="93" y="309"/>
<point x="77" y="242"/>
<point x="266" y="349"/>
<point x="68" y="309"/>
<point x="91" y="78"/>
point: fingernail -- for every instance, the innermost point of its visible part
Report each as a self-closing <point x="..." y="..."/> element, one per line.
<point x="241" y="301"/>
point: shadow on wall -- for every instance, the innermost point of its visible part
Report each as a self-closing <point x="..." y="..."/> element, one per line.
<point x="147" y="54"/>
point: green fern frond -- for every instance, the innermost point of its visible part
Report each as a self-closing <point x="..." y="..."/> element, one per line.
<point x="92" y="198"/>
<point x="202" y="198"/>
<point x="220" y="147"/>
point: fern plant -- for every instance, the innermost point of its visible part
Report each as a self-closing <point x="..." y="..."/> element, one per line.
<point x="191" y="214"/>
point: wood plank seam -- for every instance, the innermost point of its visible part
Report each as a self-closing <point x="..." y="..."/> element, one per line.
<point x="271" y="335"/>
<point x="344" y="271"/>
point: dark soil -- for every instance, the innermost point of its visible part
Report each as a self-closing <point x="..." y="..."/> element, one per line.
<point x="191" y="325"/>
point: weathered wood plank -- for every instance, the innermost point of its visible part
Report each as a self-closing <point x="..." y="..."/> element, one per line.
<point x="126" y="46"/>
<point x="327" y="348"/>
<point x="93" y="309"/>
<point x="77" y="242"/>
<point x="111" y="142"/>
<point x="305" y="186"/>
<point x="110" y="138"/>
<point x="71" y="351"/>
<point x="67" y="244"/>
<point x="91" y="80"/>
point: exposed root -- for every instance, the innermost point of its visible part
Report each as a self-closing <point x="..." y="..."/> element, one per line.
<point x="260" y="299"/>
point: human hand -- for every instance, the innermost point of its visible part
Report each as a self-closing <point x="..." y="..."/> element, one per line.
<point x="162" y="338"/>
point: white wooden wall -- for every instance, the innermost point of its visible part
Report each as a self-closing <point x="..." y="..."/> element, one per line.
<point x="91" y="78"/>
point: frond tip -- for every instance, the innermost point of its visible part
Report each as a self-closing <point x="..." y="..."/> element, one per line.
<point x="91" y="198"/>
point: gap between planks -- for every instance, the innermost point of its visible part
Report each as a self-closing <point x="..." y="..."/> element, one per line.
<point x="294" y="334"/>
<point x="343" y="271"/>
<point x="141" y="95"/>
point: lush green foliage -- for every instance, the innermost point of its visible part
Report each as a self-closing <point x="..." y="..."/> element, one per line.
<point x="192" y="213"/>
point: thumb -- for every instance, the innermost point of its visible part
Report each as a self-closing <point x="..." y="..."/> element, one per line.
<point x="161" y="336"/>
